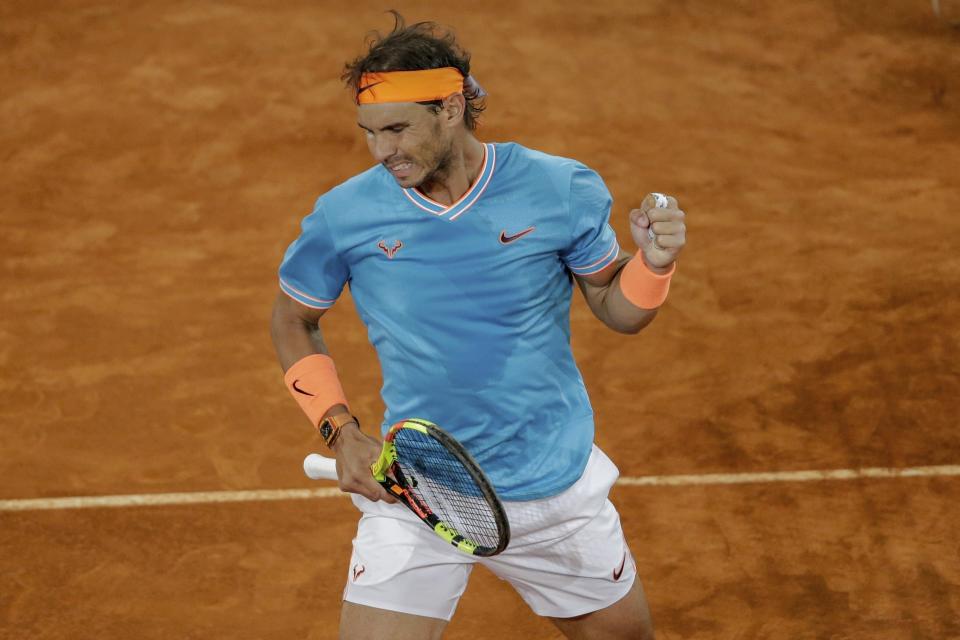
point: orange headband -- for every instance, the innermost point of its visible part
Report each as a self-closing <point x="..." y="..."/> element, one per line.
<point x="409" y="86"/>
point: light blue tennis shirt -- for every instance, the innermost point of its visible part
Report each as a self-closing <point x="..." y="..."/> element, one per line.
<point x="468" y="305"/>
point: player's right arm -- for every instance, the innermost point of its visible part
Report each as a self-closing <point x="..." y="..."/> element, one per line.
<point x="295" y="329"/>
<point x="623" y="292"/>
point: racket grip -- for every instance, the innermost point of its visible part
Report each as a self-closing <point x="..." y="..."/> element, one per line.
<point x="318" y="467"/>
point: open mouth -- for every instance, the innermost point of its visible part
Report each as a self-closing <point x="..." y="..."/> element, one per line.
<point x="401" y="169"/>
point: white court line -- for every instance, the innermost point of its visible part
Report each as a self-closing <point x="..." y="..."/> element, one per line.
<point x="792" y="476"/>
<point x="205" y="497"/>
<point x="157" y="499"/>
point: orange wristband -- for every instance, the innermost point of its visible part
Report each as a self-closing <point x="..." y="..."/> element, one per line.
<point x="315" y="386"/>
<point x="644" y="288"/>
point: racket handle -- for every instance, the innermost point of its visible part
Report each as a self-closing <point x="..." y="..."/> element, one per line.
<point x="318" y="467"/>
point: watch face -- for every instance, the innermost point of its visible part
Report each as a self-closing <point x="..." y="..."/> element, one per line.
<point x="325" y="429"/>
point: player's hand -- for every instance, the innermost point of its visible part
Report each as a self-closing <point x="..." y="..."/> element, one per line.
<point x="355" y="452"/>
<point x="665" y="225"/>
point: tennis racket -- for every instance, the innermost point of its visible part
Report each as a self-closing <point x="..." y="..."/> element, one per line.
<point x="433" y="475"/>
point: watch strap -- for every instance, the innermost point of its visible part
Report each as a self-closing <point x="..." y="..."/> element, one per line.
<point x="330" y="426"/>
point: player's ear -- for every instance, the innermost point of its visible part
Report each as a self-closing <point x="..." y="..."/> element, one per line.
<point x="454" y="108"/>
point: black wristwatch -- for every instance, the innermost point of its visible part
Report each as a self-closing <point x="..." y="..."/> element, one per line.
<point x="330" y="426"/>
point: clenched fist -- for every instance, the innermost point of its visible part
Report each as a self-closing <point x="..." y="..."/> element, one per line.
<point x="659" y="230"/>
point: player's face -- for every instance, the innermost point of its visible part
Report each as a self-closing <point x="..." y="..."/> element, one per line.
<point x="407" y="139"/>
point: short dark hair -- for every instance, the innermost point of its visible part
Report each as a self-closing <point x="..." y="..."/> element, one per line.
<point x="423" y="45"/>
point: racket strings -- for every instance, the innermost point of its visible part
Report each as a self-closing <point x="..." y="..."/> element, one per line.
<point x="440" y="480"/>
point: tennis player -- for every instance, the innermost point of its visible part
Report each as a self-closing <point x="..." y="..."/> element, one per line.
<point x="460" y="256"/>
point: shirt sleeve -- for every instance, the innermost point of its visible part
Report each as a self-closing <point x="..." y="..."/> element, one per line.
<point x="312" y="272"/>
<point x="593" y="243"/>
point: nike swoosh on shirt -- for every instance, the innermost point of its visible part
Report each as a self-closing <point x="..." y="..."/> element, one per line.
<point x="505" y="239"/>
<point x="299" y="390"/>
<point x="619" y="572"/>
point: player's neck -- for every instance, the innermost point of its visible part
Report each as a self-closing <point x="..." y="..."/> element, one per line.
<point x="466" y="163"/>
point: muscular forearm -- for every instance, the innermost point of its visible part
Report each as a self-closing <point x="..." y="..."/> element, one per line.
<point x="295" y="330"/>
<point x="614" y="310"/>
<point x="294" y="336"/>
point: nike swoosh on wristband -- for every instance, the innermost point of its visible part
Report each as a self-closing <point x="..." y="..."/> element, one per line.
<point x="505" y="239"/>
<point x="299" y="390"/>
<point x="619" y="572"/>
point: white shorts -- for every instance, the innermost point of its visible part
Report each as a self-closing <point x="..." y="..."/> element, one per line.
<point x="567" y="555"/>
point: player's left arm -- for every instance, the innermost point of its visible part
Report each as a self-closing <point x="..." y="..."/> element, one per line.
<point x="602" y="289"/>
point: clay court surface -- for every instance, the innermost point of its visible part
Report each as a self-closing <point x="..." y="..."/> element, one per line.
<point x="158" y="156"/>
